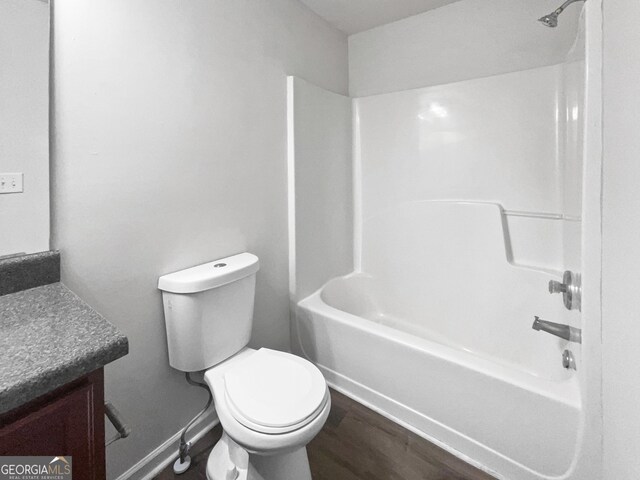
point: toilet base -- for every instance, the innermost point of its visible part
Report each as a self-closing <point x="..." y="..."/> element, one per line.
<point x="229" y="461"/>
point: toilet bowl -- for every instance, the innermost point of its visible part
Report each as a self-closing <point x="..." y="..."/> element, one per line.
<point x="270" y="405"/>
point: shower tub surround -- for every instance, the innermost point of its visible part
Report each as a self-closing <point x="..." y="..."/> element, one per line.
<point x="421" y="340"/>
<point x="465" y="207"/>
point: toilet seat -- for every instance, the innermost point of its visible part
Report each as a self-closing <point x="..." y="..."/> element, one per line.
<point x="275" y="392"/>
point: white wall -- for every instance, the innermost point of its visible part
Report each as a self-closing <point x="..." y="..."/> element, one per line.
<point x="320" y="187"/>
<point x="621" y="232"/>
<point x="24" y="124"/>
<point x="469" y="39"/>
<point x="170" y="151"/>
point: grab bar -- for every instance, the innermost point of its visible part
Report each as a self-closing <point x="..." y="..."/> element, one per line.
<point x="566" y="332"/>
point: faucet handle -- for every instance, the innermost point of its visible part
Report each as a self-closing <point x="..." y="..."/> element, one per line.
<point x="557" y="287"/>
<point x="570" y="288"/>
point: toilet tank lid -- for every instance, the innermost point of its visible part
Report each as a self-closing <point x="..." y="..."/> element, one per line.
<point x="210" y="275"/>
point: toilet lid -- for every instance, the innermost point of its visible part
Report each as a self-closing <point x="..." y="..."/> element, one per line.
<point x="275" y="392"/>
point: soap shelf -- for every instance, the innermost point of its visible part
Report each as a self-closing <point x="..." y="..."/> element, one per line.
<point x="545" y="215"/>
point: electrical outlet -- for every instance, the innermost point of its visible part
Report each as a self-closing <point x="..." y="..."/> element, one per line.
<point x="11" y="183"/>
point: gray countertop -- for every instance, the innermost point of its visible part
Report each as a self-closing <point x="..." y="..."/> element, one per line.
<point x="49" y="337"/>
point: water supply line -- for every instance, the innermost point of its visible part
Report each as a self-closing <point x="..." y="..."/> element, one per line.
<point x="183" y="462"/>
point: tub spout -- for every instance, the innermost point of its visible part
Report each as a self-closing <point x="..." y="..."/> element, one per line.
<point x="567" y="332"/>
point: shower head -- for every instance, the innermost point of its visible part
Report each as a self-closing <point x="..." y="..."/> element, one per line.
<point x="551" y="20"/>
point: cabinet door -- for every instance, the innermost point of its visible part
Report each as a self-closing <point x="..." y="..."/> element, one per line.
<point x="64" y="426"/>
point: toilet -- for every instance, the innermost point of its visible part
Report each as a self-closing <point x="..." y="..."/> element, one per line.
<point x="270" y="403"/>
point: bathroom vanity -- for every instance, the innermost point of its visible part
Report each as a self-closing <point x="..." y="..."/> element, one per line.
<point x="67" y="421"/>
<point x="53" y="348"/>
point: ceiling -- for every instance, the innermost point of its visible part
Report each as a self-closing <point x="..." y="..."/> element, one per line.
<point x="353" y="16"/>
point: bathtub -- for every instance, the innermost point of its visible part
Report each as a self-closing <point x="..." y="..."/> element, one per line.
<point x="465" y="371"/>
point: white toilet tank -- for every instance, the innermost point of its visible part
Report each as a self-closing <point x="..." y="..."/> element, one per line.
<point x="208" y="311"/>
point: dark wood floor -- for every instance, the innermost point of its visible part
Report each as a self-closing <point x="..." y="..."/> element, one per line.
<point x="358" y="444"/>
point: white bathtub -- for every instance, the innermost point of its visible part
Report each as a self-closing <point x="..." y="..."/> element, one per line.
<point x="461" y="368"/>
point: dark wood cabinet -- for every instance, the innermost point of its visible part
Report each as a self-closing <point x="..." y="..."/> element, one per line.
<point x="66" y="422"/>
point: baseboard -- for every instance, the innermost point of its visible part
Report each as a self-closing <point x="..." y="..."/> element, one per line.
<point x="165" y="454"/>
